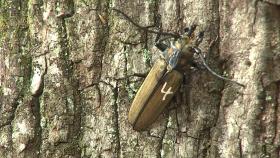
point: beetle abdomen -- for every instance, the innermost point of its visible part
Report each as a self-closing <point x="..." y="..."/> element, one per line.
<point x="153" y="96"/>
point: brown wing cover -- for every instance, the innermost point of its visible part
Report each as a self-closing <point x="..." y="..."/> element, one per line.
<point x="146" y="89"/>
<point x="154" y="102"/>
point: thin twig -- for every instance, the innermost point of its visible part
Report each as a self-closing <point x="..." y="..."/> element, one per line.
<point x="175" y="35"/>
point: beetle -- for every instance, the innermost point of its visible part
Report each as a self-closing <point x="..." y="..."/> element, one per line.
<point x="166" y="75"/>
<point x="164" y="79"/>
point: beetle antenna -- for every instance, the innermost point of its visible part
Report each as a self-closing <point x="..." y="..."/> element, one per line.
<point x="191" y="30"/>
<point x="175" y="35"/>
<point x="198" y="51"/>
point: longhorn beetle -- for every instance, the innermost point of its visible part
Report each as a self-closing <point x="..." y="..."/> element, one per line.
<point x="166" y="75"/>
<point x="163" y="80"/>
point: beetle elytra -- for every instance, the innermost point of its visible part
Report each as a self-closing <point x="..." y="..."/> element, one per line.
<point x="154" y="95"/>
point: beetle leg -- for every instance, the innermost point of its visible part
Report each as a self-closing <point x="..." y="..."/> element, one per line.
<point x="161" y="46"/>
<point x="197" y="65"/>
<point x="159" y="42"/>
<point x="199" y="38"/>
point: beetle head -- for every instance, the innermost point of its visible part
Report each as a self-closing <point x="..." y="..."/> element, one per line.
<point x="187" y="39"/>
<point x="186" y="45"/>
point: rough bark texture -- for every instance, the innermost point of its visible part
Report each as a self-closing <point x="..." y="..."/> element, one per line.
<point x="68" y="77"/>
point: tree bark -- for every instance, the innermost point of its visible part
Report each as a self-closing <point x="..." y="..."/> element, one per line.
<point x="69" y="71"/>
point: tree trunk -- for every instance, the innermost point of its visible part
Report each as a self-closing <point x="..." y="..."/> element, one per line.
<point x="69" y="71"/>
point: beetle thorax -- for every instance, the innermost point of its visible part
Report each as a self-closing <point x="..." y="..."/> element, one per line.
<point x="185" y="46"/>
